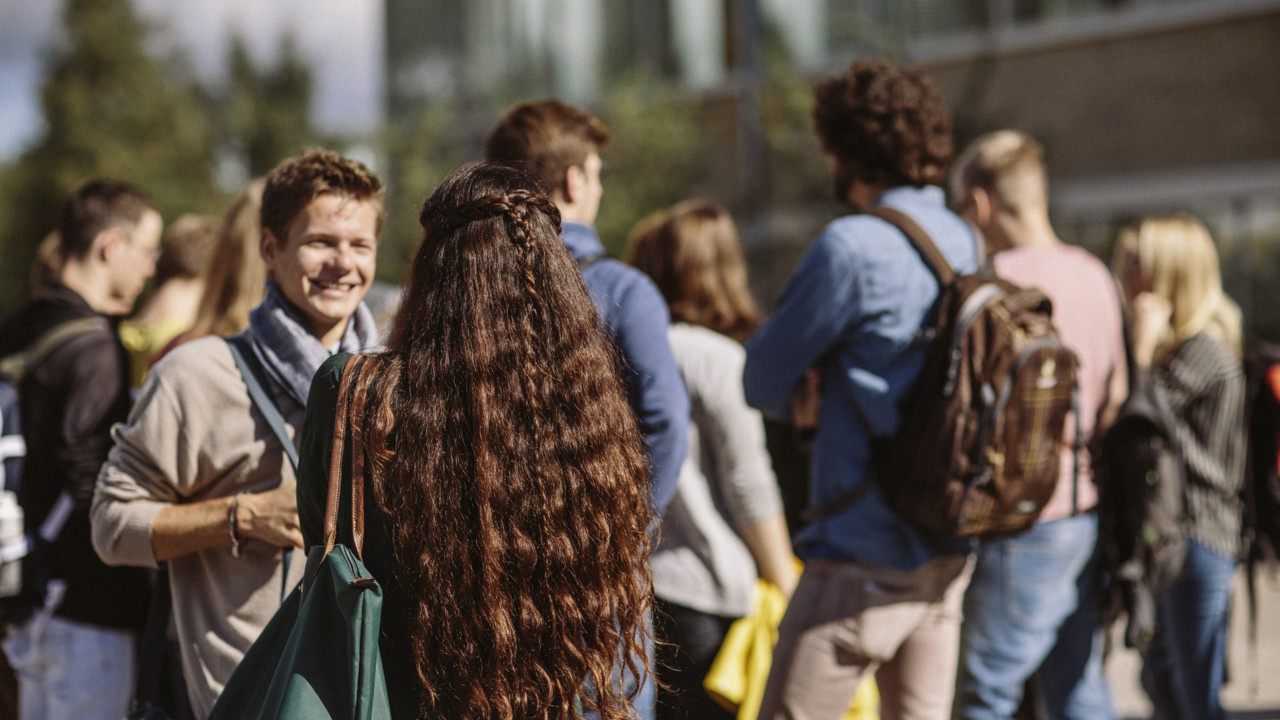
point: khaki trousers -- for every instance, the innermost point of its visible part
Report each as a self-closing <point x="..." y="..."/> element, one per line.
<point x="848" y="619"/>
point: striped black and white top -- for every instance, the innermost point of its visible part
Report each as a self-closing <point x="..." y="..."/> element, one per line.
<point x="1205" y="387"/>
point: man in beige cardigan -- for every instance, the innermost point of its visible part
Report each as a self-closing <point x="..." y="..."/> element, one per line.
<point x="197" y="479"/>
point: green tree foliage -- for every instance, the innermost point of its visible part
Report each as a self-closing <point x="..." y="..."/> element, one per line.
<point x="656" y="157"/>
<point x="797" y="173"/>
<point x="421" y="156"/>
<point x="264" y="116"/>
<point x="109" y="110"/>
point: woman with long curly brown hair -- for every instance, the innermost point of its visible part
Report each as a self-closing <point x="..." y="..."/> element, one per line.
<point x="508" y="487"/>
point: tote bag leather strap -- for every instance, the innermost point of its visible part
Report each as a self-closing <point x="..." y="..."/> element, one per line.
<point x="348" y="415"/>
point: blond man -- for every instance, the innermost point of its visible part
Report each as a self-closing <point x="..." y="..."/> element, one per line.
<point x="1033" y="598"/>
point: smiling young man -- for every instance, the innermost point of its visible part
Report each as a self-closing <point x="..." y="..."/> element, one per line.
<point x="197" y="478"/>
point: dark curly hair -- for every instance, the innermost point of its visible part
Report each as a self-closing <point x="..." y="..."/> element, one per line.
<point x="510" y="464"/>
<point x="885" y="125"/>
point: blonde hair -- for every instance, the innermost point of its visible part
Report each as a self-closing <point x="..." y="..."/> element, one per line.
<point x="1173" y="256"/>
<point x="235" y="278"/>
<point x="1007" y="164"/>
<point x="694" y="256"/>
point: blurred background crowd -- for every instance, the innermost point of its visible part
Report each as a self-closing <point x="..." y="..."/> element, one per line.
<point x="1144" y="106"/>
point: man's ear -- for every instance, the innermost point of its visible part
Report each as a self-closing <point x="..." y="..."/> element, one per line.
<point x="108" y="242"/>
<point x="574" y="181"/>
<point x="268" y="248"/>
<point x="983" y="210"/>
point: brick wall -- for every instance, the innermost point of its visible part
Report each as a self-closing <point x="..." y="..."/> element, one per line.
<point x="1206" y="93"/>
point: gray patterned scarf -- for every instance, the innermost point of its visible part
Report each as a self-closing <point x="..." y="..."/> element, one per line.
<point x="289" y="352"/>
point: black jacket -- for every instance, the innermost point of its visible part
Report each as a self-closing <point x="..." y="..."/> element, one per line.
<point x="69" y="402"/>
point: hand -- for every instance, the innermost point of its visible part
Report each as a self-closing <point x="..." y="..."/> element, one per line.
<point x="1151" y="323"/>
<point x="271" y="517"/>
<point x="806" y="405"/>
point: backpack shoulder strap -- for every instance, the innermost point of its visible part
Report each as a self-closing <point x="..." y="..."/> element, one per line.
<point x="256" y="380"/>
<point x="920" y="240"/>
<point x="838" y="504"/>
<point x="15" y="366"/>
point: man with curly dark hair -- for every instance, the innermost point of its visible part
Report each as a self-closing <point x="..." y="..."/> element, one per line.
<point x="878" y="594"/>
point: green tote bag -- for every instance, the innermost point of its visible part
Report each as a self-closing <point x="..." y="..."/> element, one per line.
<point x="318" y="657"/>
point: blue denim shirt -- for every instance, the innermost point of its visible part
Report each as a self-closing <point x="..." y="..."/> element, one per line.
<point x="636" y="317"/>
<point x="854" y="308"/>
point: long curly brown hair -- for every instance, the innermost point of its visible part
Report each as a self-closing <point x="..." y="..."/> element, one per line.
<point x="510" y="465"/>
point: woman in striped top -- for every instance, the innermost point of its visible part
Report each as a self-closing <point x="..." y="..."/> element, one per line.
<point x="1185" y="332"/>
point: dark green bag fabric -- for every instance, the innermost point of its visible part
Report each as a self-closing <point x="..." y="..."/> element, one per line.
<point x="318" y="657"/>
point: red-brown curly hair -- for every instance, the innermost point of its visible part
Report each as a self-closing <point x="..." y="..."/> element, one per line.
<point x="511" y="466"/>
<point x="885" y="125"/>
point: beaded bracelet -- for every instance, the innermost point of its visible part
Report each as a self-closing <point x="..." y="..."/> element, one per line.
<point x="231" y="524"/>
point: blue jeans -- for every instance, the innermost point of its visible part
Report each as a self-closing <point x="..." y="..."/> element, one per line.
<point x="68" y="670"/>
<point x="644" y="704"/>
<point x="1034" y="600"/>
<point x="1186" y="660"/>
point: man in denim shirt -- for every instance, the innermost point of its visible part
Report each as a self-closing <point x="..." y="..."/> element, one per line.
<point x="558" y="145"/>
<point x="878" y="595"/>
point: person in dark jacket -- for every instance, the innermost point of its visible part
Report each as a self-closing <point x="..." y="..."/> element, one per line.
<point x="74" y="656"/>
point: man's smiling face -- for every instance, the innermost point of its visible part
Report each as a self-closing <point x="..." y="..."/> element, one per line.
<point x="326" y="264"/>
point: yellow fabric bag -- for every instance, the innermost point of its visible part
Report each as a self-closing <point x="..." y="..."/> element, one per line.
<point x="741" y="668"/>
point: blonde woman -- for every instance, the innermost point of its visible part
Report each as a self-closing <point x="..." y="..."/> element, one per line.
<point x="235" y="281"/>
<point x="725" y="524"/>
<point x="1185" y="340"/>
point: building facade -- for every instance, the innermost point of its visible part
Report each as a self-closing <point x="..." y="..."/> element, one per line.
<point x="1144" y="106"/>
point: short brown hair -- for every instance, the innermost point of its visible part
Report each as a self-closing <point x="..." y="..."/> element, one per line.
<point x="186" y="248"/>
<point x="693" y="254"/>
<point x="294" y="183"/>
<point x="545" y="138"/>
<point x="98" y="205"/>
<point x="884" y="124"/>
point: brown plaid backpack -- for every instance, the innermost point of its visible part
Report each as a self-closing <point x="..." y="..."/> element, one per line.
<point x="978" y="449"/>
